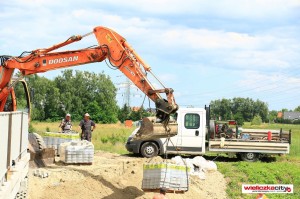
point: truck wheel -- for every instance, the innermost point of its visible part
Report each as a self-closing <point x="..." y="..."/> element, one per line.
<point x="149" y="149"/>
<point x="249" y="157"/>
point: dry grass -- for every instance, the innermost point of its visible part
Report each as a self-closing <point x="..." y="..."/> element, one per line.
<point x="106" y="137"/>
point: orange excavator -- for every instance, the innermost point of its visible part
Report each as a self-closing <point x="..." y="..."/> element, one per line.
<point x="112" y="48"/>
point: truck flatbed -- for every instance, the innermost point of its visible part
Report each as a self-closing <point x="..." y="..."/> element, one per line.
<point x="256" y="146"/>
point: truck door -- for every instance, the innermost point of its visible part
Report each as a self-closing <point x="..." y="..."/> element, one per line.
<point x="192" y="127"/>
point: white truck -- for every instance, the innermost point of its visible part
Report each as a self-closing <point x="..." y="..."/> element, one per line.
<point x="14" y="161"/>
<point x="196" y="135"/>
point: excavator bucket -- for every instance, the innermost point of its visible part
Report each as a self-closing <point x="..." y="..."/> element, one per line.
<point x="150" y="130"/>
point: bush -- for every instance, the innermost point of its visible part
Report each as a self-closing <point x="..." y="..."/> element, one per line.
<point x="256" y="120"/>
<point x="104" y="140"/>
<point x="47" y="129"/>
<point x="31" y="129"/>
<point x="296" y="122"/>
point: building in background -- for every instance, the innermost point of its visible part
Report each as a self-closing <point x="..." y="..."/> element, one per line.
<point x="291" y="115"/>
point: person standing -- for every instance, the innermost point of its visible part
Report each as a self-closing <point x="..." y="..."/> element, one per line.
<point x="66" y="124"/>
<point x="87" y="126"/>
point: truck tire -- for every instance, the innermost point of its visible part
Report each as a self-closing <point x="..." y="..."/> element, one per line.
<point x="149" y="150"/>
<point x="249" y="156"/>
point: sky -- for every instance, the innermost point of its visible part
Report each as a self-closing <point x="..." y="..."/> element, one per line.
<point x="205" y="50"/>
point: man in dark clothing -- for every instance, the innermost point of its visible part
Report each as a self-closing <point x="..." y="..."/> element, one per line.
<point x="87" y="126"/>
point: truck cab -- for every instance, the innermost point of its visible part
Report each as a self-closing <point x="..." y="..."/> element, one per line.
<point x="190" y="139"/>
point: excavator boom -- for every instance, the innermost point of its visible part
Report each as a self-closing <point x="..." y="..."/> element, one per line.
<point x="111" y="46"/>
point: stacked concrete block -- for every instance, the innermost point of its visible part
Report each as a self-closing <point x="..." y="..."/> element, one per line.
<point x="54" y="140"/>
<point x="77" y="152"/>
<point x="171" y="176"/>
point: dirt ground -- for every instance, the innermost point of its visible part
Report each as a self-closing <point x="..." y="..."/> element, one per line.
<point x="113" y="176"/>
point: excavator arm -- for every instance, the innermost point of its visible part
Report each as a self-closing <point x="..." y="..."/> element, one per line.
<point x="111" y="47"/>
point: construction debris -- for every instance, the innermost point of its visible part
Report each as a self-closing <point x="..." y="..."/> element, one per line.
<point x="41" y="173"/>
<point x="198" y="166"/>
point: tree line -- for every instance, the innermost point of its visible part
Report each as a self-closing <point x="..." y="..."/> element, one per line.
<point x="244" y="110"/>
<point x="75" y="93"/>
<point x="78" y="92"/>
<point x="240" y="109"/>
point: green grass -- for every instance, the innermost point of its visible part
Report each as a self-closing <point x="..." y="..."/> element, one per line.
<point x="284" y="170"/>
<point x="106" y="137"/>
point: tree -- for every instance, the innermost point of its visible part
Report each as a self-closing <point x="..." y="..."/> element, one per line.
<point x="243" y="106"/>
<point x="75" y="93"/>
<point x="244" y="109"/>
<point x="238" y="117"/>
<point x="41" y="87"/>
<point x="273" y="115"/>
<point x="83" y="91"/>
<point x="53" y="106"/>
<point x="123" y="113"/>
<point x="138" y="115"/>
<point x="297" y="109"/>
<point x="261" y="109"/>
<point x="95" y="111"/>
<point x="221" y="109"/>
<point x="256" y="120"/>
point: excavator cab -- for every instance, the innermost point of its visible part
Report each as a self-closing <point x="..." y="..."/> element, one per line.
<point x="18" y="98"/>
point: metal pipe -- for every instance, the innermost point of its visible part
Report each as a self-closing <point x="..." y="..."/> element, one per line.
<point x="15" y="82"/>
<point x="87" y="34"/>
<point x="157" y="79"/>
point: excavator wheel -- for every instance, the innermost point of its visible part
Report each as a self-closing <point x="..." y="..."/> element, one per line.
<point x="40" y="155"/>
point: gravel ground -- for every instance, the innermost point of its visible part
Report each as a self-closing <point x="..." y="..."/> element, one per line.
<point x="113" y="176"/>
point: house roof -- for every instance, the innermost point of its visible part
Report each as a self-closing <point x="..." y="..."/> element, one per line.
<point x="290" y="115"/>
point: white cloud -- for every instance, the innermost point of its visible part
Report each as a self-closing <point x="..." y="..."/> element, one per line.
<point x="249" y="9"/>
<point x="270" y="82"/>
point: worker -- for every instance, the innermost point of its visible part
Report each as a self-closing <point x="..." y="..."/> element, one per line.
<point x="87" y="126"/>
<point x="66" y="124"/>
<point x="162" y="194"/>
